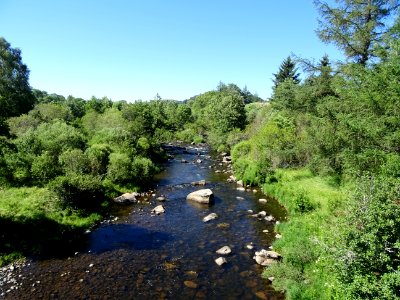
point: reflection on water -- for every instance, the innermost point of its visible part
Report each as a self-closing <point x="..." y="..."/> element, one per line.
<point x="169" y="256"/>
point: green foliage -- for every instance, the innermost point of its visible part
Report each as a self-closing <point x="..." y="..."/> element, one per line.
<point x="303" y="202"/>
<point x="369" y="256"/>
<point x="356" y="27"/>
<point x="47" y="112"/>
<point x="98" y="156"/>
<point x="142" y="170"/>
<point x="79" y="191"/>
<point x="119" y="168"/>
<point x="44" y="167"/>
<point x="15" y="93"/>
<point x="74" y="161"/>
<point x="287" y="72"/>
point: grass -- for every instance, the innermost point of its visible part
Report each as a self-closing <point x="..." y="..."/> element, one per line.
<point x="32" y="221"/>
<point x="313" y="204"/>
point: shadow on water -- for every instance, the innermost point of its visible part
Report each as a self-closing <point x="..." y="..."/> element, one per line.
<point x="40" y="237"/>
<point x="126" y="236"/>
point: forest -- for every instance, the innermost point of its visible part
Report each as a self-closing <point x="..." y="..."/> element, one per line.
<point x="326" y="145"/>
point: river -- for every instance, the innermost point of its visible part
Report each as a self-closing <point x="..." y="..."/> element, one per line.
<point x="138" y="255"/>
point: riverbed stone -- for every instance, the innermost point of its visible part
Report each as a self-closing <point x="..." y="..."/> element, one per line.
<point x="158" y="210"/>
<point x="266" y="257"/>
<point x="224" y="250"/>
<point x="220" y="261"/>
<point x="262" y="200"/>
<point x="161" y="199"/>
<point x="210" y="217"/>
<point x="269" y="218"/>
<point x="199" y="183"/>
<point x="190" y="284"/>
<point x="204" y="196"/>
<point x="127" y="198"/>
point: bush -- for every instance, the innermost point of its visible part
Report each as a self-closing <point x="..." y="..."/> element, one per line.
<point x="44" y="167"/>
<point x="98" y="156"/>
<point x="79" y="191"/>
<point x="119" y="168"/>
<point x="74" y="161"/>
<point x="303" y="202"/>
<point x="142" y="169"/>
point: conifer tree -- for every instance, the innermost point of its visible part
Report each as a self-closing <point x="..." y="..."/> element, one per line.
<point x="355" y="26"/>
<point x="287" y="70"/>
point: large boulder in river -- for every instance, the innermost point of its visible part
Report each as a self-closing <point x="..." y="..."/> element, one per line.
<point x="127" y="198"/>
<point x="204" y="196"/>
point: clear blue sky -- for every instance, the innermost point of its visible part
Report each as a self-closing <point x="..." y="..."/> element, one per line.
<point x="127" y="49"/>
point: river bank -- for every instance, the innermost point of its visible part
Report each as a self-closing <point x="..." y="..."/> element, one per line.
<point x="142" y="255"/>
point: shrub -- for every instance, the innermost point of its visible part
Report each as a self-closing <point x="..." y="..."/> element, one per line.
<point x="74" y="161"/>
<point x="98" y="156"/>
<point x="303" y="202"/>
<point x="44" y="167"/>
<point x="119" y="168"/>
<point x="79" y="191"/>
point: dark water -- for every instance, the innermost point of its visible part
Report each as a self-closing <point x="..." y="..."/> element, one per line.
<point x="170" y="256"/>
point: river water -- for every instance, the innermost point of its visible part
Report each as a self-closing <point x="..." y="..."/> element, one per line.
<point x="138" y="255"/>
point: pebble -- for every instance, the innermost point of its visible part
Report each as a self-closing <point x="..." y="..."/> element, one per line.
<point x="220" y="261"/>
<point x="190" y="284"/>
<point x="224" y="250"/>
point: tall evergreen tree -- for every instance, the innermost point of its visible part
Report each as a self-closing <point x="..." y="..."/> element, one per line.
<point x="355" y="26"/>
<point x="287" y="70"/>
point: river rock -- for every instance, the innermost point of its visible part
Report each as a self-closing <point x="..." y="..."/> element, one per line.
<point x="265" y="257"/>
<point x="262" y="200"/>
<point x="204" y="196"/>
<point x="269" y="218"/>
<point x="199" y="183"/>
<point x="161" y="199"/>
<point x="239" y="182"/>
<point x="224" y="250"/>
<point x="242" y="189"/>
<point x="226" y="159"/>
<point x="250" y="246"/>
<point x="190" y="284"/>
<point x="220" y="261"/>
<point x="231" y="179"/>
<point x="127" y="198"/>
<point x="210" y="217"/>
<point x="158" y="210"/>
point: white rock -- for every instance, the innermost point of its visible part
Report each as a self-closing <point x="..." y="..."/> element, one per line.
<point x="161" y="199"/>
<point x="242" y="189"/>
<point x="204" y="196"/>
<point x="220" y="261"/>
<point x="127" y="198"/>
<point x="269" y="218"/>
<point x="249" y="246"/>
<point x="261" y="214"/>
<point x="158" y="210"/>
<point x="239" y="182"/>
<point x="210" y="217"/>
<point x="262" y="200"/>
<point x="224" y="250"/>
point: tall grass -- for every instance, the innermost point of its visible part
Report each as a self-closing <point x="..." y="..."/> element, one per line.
<point x="313" y="204"/>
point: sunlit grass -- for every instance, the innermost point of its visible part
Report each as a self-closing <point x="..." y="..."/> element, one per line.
<point x="304" y="271"/>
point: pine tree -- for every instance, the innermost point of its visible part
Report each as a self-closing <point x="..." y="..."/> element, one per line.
<point x="355" y="26"/>
<point x="287" y="70"/>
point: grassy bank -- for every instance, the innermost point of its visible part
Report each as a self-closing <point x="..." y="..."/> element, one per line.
<point x="314" y="204"/>
<point x="34" y="221"/>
